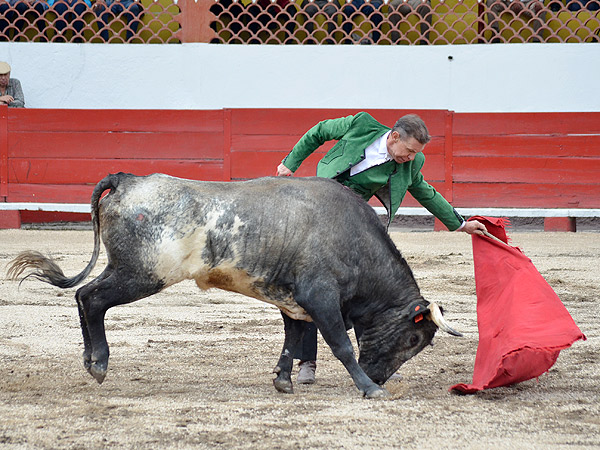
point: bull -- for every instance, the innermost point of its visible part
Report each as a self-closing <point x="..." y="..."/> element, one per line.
<point x="309" y="246"/>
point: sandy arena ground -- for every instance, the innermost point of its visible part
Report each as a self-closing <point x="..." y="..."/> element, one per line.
<point x="192" y="369"/>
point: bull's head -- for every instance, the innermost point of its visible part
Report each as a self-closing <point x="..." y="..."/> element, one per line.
<point x="397" y="335"/>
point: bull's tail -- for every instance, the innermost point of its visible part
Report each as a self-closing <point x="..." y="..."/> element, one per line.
<point x="45" y="268"/>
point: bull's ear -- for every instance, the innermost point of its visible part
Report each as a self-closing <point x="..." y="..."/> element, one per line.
<point x="416" y="310"/>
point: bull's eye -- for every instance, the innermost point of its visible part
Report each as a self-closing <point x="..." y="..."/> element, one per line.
<point x="414" y="340"/>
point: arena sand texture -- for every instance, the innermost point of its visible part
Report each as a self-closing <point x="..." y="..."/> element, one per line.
<point x="192" y="369"/>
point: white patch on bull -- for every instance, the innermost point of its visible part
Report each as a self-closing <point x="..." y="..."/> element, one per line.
<point x="180" y="259"/>
<point x="144" y="193"/>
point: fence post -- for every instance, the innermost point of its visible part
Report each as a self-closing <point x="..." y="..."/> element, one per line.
<point x="448" y="157"/>
<point x="8" y="219"/>
<point x="195" y="19"/>
<point x="227" y="145"/>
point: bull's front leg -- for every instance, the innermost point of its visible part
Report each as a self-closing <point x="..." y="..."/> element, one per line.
<point x="321" y="302"/>
<point x="293" y="335"/>
<point x="334" y="332"/>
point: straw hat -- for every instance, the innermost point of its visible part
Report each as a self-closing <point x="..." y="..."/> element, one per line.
<point x="4" y="67"/>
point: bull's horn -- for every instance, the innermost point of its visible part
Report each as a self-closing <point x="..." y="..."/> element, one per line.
<point x="438" y="319"/>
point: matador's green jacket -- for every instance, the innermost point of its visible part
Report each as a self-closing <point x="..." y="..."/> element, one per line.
<point x="354" y="135"/>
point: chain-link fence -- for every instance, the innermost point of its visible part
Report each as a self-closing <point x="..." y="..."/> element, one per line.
<point x="381" y="22"/>
<point x="81" y="21"/>
<point x="409" y="22"/>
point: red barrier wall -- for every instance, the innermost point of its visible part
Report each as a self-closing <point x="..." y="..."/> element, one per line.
<point x="549" y="160"/>
<point x="59" y="155"/>
<point x="546" y="160"/>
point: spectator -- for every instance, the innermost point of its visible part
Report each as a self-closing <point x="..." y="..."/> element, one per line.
<point x="371" y="12"/>
<point x="527" y="10"/>
<point x="312" y="8"/>
<point x="133" y="11"/>
<point x="14" y="12"/>
<point x="404" y="8"/>
<point x="68" y="11"/>
<point x="372" y="160"/>
<point x="11" y="93"/>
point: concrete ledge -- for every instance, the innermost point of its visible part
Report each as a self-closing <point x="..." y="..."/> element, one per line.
<point x="555" y="219"/>
<point x="403" y="211"/>
<point x="57" y="207"/>
<point x="502" y="212"/>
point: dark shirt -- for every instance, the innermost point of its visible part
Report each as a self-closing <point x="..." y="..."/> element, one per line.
<point x="15" y="91"/>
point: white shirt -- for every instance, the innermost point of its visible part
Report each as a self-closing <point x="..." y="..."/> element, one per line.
<point x="375" y="154"/>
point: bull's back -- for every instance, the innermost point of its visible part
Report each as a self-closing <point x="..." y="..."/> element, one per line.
<point x="249" y="237"/>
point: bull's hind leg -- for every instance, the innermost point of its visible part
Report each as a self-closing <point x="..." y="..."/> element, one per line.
<point x="87" y="343"/>
<point x="293" y="335"/>
<point x="94" y="300"/>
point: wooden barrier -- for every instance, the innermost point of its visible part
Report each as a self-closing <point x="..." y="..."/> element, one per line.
<point x="501" y="160"/>
<point x="536" y="160"/>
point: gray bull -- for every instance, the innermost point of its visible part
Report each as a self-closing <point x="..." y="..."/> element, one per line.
<point x="307" y="245"/>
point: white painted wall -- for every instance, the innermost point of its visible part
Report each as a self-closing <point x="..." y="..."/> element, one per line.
<point x="478" y="78"/>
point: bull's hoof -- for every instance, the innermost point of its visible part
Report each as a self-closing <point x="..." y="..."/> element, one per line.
<point x="376" y="392"/>
<point x="284" y="386"/>
<point x="98" y="371"/>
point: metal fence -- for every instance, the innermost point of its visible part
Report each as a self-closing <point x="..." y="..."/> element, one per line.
<point x="380" y="22"/>
<point x="80" y="21"/>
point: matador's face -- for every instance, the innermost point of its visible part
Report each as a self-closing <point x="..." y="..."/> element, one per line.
<point x="403" y="150"/>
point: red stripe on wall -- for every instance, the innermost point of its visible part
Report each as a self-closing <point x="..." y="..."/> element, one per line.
<point x="475" y="159"/>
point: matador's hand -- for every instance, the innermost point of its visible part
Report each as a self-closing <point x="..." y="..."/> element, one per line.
<point x="474" y="227"/>
<point x="283" y="171"/>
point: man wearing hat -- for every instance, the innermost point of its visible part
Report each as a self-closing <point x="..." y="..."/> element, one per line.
<point x="11" y="93"/>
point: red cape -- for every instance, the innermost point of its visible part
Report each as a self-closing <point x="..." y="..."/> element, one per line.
<point x="522" y="323"/>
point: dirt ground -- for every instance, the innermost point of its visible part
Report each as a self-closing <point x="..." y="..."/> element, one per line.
<point x="192" y="369"/>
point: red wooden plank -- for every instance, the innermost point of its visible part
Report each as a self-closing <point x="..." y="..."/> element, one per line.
<point x="434" y="169"/>
<point x="25" y="119"/>
<point x="524" y="195"/>
<point x="298" y="121"/>
<point x="526" y="123"/>
<point x="53" y="216"/>
<point x="448" y="156"/>
<point x="227" y="145"/>
<point x="245" y="165"/>
<point x="10" y="219"/>
<point x="266" y="143"/>
<point x="116" y="145"/>
<point x="69" y="171"/>
<point x="259" y="164"/>
<point x="48" y="193"/>
<point x="527" y="170"/>
<point x="546" y="146"/>
<point x="285" y="143"/>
